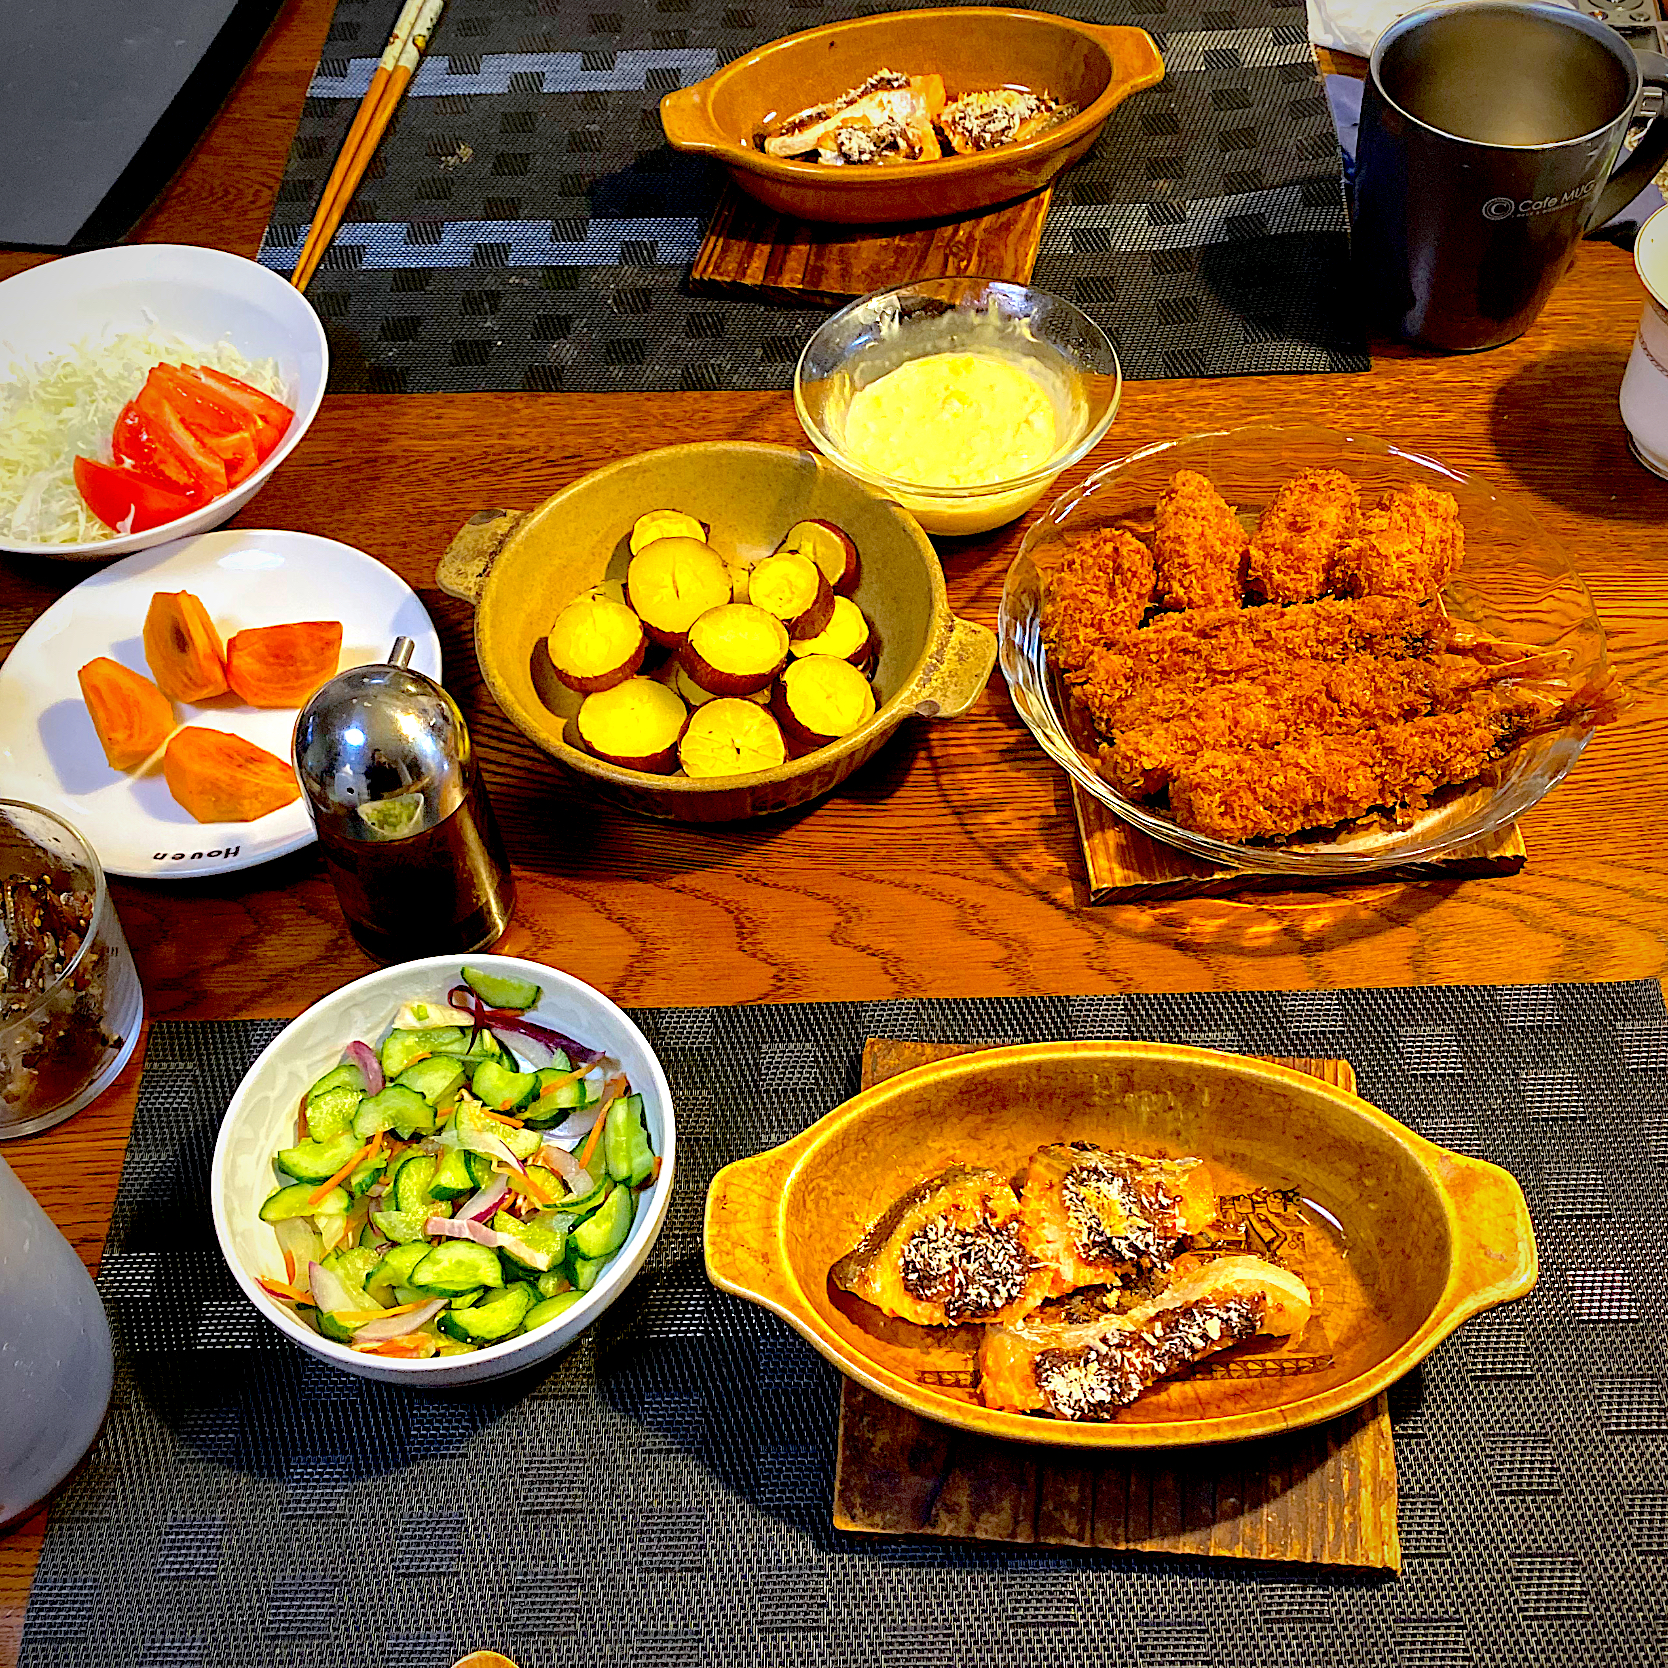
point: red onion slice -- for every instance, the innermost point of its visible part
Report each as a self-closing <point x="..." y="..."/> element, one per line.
<point x="330" y="1294"/>
<point x="576" y="1124"/>
<point x="577" y="1177"/>
<point x="504" y="1019"/>
<point x="443" y="1227"/>
<point x="397" y="1326"/>
<point x="484" y="1203"/>
<point x="491" y="1147"/>
<point x="370" y="1068"/>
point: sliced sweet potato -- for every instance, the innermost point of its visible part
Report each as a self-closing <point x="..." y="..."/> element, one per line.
<point x="731" y="737"/>
<point x="132" y="716"/>
<point x="832" y="548"/>
<point x="793" y="588"/>
<point x="182" y="648"/>
<point x="219" y="777"/>
<point x="735" y="649"/>
<point x="819" y="699"/>
<point x="847" y="636"/>
<point x="635" y="724"/>
<point x="672" y="582"/>
<point x="281" y="665"/>
<point x="595" y="642"/>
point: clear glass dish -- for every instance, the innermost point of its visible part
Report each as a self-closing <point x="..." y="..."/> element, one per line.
<point x="1061" y="347"/>
<point x="1515" y="582"/>
<point x="70" y="1002"/>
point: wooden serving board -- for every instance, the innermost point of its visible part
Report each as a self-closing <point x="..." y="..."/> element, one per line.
<point x="1321" y="1496"/>
<point x="1126" y="866"/>
<point x="752" y="250"/>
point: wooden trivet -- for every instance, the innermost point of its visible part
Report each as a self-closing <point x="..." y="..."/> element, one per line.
<point x="1321" y="1496"/>
<point x="751" y="250"/>
<point x="1127" y="866"/>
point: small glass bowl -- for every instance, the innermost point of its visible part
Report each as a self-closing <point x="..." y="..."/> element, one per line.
<point x="1515" y="582"/>
<point x="68" y="1022"/>
<point x="1063" y="348"/>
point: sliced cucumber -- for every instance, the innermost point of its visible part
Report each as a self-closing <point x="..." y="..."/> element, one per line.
<point x="345" y="1076"/>
<point x="604" y="1232"/>
<point x="625" y="1142"/>
<point x="582" y="1204"/>
<point x="401" y="1226"/>
<point x="316" y="1161"/>
<point x="402" y="1049"/>
<point x="456" y="1267"/>
<point x="554" y="1283"/>
<point x="548" y="1309"/>
<point x="330" y="1113"/>
<point x="395" y="1104"/>
<point x="470" y="1123"/>
<point x="437" y="1079"/>
<point x="451" y="1179"/>
<point x="476" y="1047"/>
<point x="536" y="1245"/>
<point x="500" y="1089"/>
<point x="467" y="1300"/>
<point x="397" y="1264"/>
<point x="453" y="1346"/>
<point x="480" y="1168"/>
<point x="411" y="1184"/>
<point x="488" y="1321"/>
<point x="333" y="1328"/>
<point x="367" y="1175"/>
<point x="587" y="1271"/>
<point x="353" y="1267"/>
<point x="298" y="1201"/>
<point x="502" y="990"/>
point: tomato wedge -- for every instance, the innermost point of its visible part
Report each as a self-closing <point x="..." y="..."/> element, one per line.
<point x="136" y="446"/>
<point x="272" y="416"/>
<point x="163" y="419"/>
<point x="221" y="426"/>
<point x="127" y="499"/>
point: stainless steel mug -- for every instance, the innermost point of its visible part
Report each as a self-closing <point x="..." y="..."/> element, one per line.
<point x="1490" y="136"/>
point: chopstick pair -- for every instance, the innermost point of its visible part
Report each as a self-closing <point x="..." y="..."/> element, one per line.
<point x="406" y="45"/>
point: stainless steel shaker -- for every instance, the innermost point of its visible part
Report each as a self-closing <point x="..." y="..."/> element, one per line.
<point x="395" y="793"/>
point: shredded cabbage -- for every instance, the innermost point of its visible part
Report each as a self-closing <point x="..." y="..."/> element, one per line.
<point x="64" y="407"/>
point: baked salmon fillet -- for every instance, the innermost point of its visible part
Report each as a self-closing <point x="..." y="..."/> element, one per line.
<point x="950" y="1251"/>
<point x="1091" y="1370"/>
<point x="1094" y="1217"/>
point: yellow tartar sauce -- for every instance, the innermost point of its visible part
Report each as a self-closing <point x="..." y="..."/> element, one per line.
<point x="951" y="420"/>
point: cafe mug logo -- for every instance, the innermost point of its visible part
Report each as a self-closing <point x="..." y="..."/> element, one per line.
<point x="1510" y="208"/>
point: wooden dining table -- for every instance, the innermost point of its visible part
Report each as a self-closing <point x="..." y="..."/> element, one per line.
<point x="950" y="864"/>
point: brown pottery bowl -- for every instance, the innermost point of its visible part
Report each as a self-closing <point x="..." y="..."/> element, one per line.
<point x="1094" y="66"/>
<point x="519" y="568"/>
<point x="1399" y="1240"/>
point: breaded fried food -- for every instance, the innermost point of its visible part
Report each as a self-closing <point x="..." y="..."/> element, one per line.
<point x="1408" y="546"/>
<point x="1096" y="588"/>
<point x="1315" y="781"/>
<point x="1198" y="545"/>
<point x="1298" y="537"/>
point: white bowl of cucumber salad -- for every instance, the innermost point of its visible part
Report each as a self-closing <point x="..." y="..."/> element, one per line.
<point x="446" y="1170"/>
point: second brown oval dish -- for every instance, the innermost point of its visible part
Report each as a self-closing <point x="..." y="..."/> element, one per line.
<point x="1094" y="66"/>
<point x="1399" y="1240"/>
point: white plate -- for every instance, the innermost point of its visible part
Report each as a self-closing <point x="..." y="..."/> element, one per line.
<point x="49" y="753"/>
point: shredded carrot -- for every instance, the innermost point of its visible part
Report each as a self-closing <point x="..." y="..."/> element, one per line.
<point x="610" y="1093"/>
<point x="369" y="1150"/>
<point x="564" y="1080"/>
<point x="364" y="1317"/>
<point x="278" y="1289"/>
<point x="289" y="1265"/>
<point x="500" y="1118"/>
<point x="652" y="1177"/>
<point x="526" y="1186"/>
<point x="403" y="1348"/>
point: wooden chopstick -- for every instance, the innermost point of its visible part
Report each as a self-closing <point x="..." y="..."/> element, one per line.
<point x="406" y="45"/>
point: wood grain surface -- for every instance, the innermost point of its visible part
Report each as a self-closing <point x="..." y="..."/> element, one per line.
<point x="1320" y="1496"/>
<point x="750" y="249"/>
<point x="950" y="864"/>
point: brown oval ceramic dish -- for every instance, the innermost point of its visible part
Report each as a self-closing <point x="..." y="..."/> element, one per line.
<point x="1399" y="1240"/>
<point x="1094" y="66"/>
<point x="519" y="569"/>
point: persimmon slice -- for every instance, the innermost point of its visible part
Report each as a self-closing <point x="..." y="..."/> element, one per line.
<point x="219" y="777"/>
<point x="182" y="648"/>
<point x="131" y="715"/>
<point x="281" y="665"/>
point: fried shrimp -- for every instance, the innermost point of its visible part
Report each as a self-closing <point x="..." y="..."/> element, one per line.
<point x="1198" y="544"/>
<point x="1297" y="540"/>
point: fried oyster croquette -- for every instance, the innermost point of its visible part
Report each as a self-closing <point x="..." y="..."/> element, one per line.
<point x="1301" y="677"/>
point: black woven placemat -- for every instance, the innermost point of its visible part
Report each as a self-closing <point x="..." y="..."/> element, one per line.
<point x="662" y="1496"/>
<point x="525" y="226"/>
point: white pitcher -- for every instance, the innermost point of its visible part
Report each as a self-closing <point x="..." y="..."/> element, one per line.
<point x="55" y="1361"/>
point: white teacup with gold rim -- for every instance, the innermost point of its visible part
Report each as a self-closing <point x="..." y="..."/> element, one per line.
<point x="1645" y="385"/>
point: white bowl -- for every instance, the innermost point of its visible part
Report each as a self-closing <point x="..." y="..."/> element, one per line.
<point x="204" y="295"/>
<point x="261" y="1119"/>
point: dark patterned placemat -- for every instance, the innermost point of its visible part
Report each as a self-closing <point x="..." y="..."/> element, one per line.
<point x="661" y="1497"/>
<point x="525" y="226"/>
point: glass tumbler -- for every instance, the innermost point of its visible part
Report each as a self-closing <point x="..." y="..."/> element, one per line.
<point x="70" y="1002"/>
<point x="55" y="1360"/>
